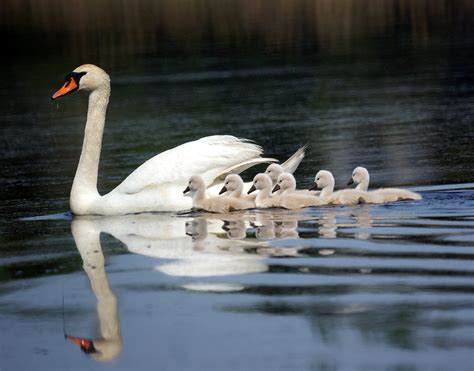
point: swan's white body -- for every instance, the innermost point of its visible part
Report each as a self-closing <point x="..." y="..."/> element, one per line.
<point x="156" y="185"/>
<point x="289" y="198"/>
<point x="361" y="177"/>
<point x="325" y="180"/>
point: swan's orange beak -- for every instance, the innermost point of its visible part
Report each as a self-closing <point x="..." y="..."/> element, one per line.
<point x="86" y="345"/>
<point x="69" y="87"/>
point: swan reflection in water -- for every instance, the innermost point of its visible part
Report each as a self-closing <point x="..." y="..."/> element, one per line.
<point x="109" y="345"/>
<point x="194" y="247"/>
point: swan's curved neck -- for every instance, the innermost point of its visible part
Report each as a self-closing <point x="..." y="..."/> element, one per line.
<point x="327" y="190"/>
<point x="364" y="184"/>
<point x="264" y="193"/>
<point x="199" y="195"/>
<point x="238" y="191"/>
<point x="84" y="187"/>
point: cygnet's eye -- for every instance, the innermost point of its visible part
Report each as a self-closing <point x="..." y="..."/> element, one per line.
<point x="317" y="179"/>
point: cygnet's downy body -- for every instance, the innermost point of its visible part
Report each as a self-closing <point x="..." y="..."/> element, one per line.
<point x="263" y="184"/>
<point x="289" y="199"/>
<point x="233" y="187"/>
<point x="361" y="177"/>
<point x="197" y="190"/>
<point x="325" y="180"/>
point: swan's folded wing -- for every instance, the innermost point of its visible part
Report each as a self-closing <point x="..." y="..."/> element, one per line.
<point x="209" y="157"/>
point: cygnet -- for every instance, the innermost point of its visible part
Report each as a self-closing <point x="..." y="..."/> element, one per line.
<point x="325" y="180"/>
<point x="233" y="187"/>
<point x="289" y="199"/>
<point x="197" y="190"/>
<point x="361" y="177"/>
<point x="263" y="184"/>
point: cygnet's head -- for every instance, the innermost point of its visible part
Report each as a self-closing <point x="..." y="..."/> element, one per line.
<point x="359" y="174"/>
<point x="285" y="182"/>
<point x="274" y="171"/>
<point x="195" y="184"/>
<point x="86" y="77"/>
<point x="232" y="182"/>
<point x="322" y="179"/>
<point x="260" y="181"/>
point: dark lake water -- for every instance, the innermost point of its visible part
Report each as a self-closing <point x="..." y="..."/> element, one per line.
<point x="388" y="86"/>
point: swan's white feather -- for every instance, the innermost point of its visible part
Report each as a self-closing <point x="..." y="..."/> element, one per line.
<point x="208" y="157"/>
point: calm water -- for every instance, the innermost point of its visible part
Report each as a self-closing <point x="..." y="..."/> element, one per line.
<point x="332" y="288"/>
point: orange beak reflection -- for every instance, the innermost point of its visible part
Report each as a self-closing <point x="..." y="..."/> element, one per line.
<point x="85" y="344"/>
<point x="69" y="87"/>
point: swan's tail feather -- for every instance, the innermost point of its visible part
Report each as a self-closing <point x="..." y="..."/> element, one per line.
<point x="294" y="161"/>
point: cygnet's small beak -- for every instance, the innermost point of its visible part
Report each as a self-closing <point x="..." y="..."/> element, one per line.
<point x="251" y="189"/>
<point x="86" y="345"/>
<point x="276" y="188"/>
<point x="313" y="186"/>
<point x="351" y="181"/>
<point x="223" y="190"/>
<point x="187" y="190"/>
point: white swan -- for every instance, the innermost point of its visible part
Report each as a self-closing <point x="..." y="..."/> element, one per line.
<point x="264" y="199"/>
<point x="158" y="183"/>
<point x="197" y="190"/>
<point x="289" y="199"/>
<point x="325" y="180"/>
<point x="361" y="177"/>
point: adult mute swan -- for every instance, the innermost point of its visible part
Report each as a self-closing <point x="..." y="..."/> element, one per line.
<point x="361" y="177"/>
<point x="158" y="183"/>
<point x="196" y="189"/>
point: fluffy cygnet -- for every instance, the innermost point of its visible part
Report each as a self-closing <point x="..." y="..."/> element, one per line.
<point x="361" y="177"/>
<point x="275" y="170"/>
<point x="264" y="199"/>
<point x="289" y="199"/>
<point x="197" y="190"/>
<point x="325" y="180"/>
<point x="289" y="166"/>
<point x="234" y="187"/>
